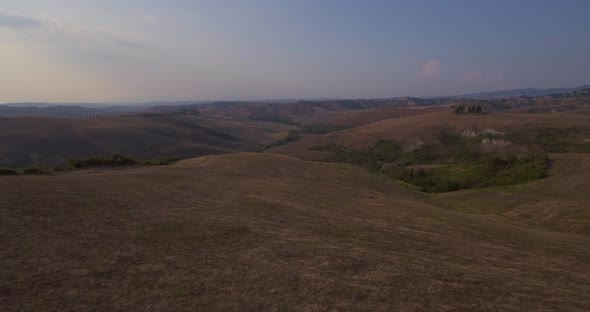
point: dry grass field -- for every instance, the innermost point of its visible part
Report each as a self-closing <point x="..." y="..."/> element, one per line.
<point x="357" y="118"/>
<point x="426" y="124"/>
<point x="51" y="141"/>
<point x="251" y="232"/>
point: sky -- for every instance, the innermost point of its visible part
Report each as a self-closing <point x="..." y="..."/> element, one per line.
<point x="146" y="50"/>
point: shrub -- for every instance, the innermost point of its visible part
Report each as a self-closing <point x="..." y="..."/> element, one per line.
<point x="387" y="151"/>
<point x="467" y="109"/>
<point x="383" y="152"/>
<point x="96" y="161"/>
<point x="6" y="171"/>
<point x="117" y="160"/>
<point x="465" y="168"/>
<point x="35" y="170"/>
<point x="161" y="161"/>
<point x="551" y="140"/>
<point x="292" y="136"/>
<point x="554" y="140"/>
<point x="488" y="171"/>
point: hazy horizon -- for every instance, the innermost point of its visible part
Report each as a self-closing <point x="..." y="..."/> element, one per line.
<point x="149" y="100"/>
<point x="137" y="51"/>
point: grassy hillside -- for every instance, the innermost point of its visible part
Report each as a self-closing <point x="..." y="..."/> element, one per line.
<point x="309" y="109"/>
<point x="522" y="132"/>
<point x="51" y="141"/>
<point x="271" y="232"/>
<point x="469" y="150"/>
<point x="558" y="202"/>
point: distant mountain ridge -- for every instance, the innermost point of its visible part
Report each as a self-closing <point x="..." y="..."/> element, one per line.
<point x="278" y="110"/>
<point x="99" y="105"/>
<point x="88" y="109"/>
<point x="531" y="92"/>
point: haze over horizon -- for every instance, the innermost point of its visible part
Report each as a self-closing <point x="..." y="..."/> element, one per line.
<point x="109" y="51"/>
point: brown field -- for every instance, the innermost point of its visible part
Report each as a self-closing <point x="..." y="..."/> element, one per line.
<point x="269" y="232"/>
<point x="578" y="112"/>
<point x="362" y="117"/>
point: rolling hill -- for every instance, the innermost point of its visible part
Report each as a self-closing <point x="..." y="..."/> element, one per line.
<point x="426" y="126"/>
<point x="271" y="232"/>
<point x="25" y="141"/>
<point x="331" y="213"/>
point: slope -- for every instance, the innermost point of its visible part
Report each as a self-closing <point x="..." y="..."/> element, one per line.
<point x="559" y="202"/>
<point x="414" y="130"/>
<point x="51" y="141"/>
<point x="268" y="232"/>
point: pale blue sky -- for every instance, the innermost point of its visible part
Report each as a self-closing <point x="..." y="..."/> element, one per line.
<point x="110" y="50"/>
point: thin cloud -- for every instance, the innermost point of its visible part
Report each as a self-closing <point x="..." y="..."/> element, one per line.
<point x="18" y="22"/>
<point x="430" y="69"/>
<point x="56" y="32"/>
<point x="130" y="44"/>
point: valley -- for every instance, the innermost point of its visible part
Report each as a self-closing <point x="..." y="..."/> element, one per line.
<point x="306" y="156"/>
